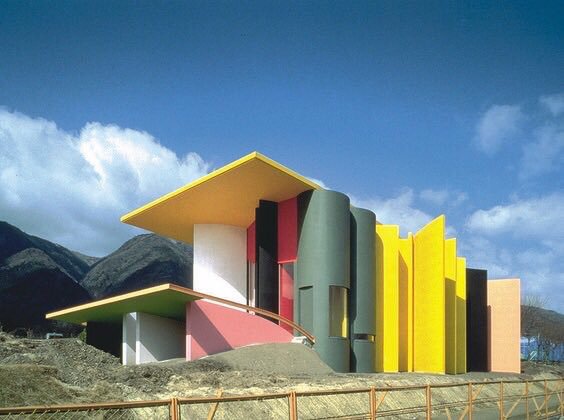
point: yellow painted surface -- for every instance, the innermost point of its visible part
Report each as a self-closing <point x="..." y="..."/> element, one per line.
<point x="429" y="298"/>
<point x="387" y="298"/>
<point x="227" y="196"/>
<point x="405" y="270"/>
<point x="460" y="315"/>
<point x="450" y="306"/>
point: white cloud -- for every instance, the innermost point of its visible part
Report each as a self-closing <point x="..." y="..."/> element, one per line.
<point x="539" y="218"/>
<point x="398" y="210"/>
<point x="497" y="125"/>
<point x="436" y="197"/>
<point x="442" y="197"/>
<point x="72" y="188"/>
<point x="522" y="239"/>
<point x="545" y="154"/>
<point x="553" y="103"/>
<point x="318" y="182"/>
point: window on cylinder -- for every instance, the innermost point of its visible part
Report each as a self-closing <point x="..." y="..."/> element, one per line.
<point x="338" y="310"/>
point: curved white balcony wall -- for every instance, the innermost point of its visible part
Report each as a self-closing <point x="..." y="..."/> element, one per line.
<point x="220" y="261"/>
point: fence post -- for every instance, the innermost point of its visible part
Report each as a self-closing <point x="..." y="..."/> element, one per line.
<point x="527" y="398"/>
<point x="293" y="403"/>
<point x="545" y="399"/>
<point x="173" y="408"/>
<point x="372" y="403"/>
<point x="470" y="400"/>
<point x="501" y="400"/>
<point x="560" y="400"/>
<point x="428" y="400"/>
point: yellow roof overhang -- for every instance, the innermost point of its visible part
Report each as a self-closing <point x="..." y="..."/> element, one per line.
<point x="226" y="196"/>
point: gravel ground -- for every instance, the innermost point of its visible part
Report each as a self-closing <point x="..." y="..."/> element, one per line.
<point x="36" y="372"/>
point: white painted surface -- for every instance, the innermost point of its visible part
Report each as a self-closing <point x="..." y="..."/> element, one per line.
<point x="149" y="338"/>
<point x="159" y="339"/>
<point x="129" y="326"/>
<point x="220" y="261"/>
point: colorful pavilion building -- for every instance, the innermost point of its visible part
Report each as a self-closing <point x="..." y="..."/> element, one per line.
<point x="276" y="255"/>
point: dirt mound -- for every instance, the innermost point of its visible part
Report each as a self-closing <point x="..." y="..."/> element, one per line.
<point x="38" y="372"/>
<point x="286" y="358"/>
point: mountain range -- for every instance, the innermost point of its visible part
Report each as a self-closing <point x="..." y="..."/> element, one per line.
<point x="38" y="276"/>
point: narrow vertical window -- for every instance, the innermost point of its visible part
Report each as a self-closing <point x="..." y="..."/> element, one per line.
<point x="286" y="304"/>
<point x="251" y="283"/>
<point x="338" y="310"/>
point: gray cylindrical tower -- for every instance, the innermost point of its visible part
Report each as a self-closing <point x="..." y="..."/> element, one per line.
<point x="363" y="290"/>
<point x="323" y="273"/>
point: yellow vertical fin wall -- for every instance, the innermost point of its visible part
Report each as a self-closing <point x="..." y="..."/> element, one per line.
<point x="405" y="271"/>
<point x="450" y="306"/>
<point x="460" y="315"/>
<point x="387" y="298"/>
<point x="429" y="298"/>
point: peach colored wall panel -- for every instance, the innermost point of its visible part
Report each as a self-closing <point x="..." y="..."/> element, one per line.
<point x="213" y="328"/>
<point x="504" y="325"/>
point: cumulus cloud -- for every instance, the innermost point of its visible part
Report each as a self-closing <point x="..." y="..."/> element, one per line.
<point x="522" y="239"/>
<point x="497" y="125"/>
<point x="553" y="103"/>
<point x="72" y="188"/>
<point x="539" y="218"/>
<point x="399" y="210"/>
<point x="545" y="154"/>
<point x="443" y="197"/>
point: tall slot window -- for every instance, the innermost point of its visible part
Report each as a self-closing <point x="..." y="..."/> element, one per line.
<point x="338" y="310"/>
<point x="251" y="283"/>
<point x="286" y="287"/>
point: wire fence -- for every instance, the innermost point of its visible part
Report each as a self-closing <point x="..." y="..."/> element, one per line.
<point x="535" y="399"/>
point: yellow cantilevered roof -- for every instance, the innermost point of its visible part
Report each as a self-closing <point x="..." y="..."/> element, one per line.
<point x="226" y="196"/>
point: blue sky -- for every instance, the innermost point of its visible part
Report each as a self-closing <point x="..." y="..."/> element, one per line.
<point x="412" y="108"/>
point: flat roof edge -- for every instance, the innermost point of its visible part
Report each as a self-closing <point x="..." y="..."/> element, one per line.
<point x="192" y="184"/>
<point x="113" y="299"/>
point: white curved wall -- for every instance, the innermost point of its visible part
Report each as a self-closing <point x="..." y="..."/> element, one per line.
<point x="220" y="261"/>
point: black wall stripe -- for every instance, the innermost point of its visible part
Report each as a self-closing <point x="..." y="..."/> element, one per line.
<point x="476" y="320"/>
<point x="267" y="256"/>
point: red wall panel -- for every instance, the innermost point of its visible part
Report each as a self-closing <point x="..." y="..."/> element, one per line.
<point x="288" y="230"/>
<point x="251" y="241"/>
<point x="213" y="328"/>
<point x="287" y="253"/>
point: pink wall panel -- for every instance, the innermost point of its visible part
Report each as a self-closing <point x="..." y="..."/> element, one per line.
<point x="288" y="230"/>
<point x="504" y="325"/>
<point x="251" y="243"/>
<point x="212" y="328"/>
<point x="286" y="304"/>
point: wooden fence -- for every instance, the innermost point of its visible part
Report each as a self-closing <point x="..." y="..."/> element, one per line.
<point x="533" y="399"/>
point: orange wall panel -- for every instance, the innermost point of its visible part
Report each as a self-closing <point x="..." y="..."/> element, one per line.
<point x="504" y="325"/>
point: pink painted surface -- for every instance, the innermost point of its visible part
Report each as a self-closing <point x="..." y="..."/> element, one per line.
<point x="251" y="243"/>
<point x="288" y="230"/>
<point x="286" y="303"/>
<point x="213" y="328"/>
<point x="504" y="325"/>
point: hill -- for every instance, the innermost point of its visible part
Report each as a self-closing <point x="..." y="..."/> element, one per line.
<point x="36" y="276"/>
<point x="143" y="261"/>
<point x="42" y="276"/>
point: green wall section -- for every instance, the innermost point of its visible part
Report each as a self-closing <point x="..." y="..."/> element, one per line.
<point x="323" y="261"/>
<point x="363" y="289"/>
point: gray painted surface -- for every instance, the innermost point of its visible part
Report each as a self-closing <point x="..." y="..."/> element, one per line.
<point x="363" y="286"/>
<point x="323" y="261"/>
<point x="362" y="355"/>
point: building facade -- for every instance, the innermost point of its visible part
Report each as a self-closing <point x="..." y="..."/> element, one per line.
<point x="265" y="237"/>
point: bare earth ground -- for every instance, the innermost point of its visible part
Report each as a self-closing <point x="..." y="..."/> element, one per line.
<point x="41" y="372"/>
